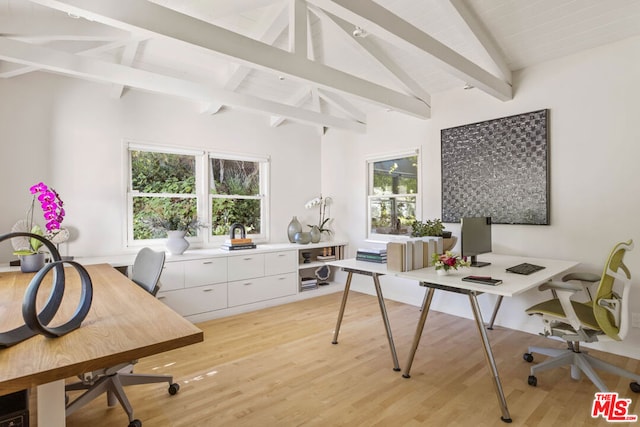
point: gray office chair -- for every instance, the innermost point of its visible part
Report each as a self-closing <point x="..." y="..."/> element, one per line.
<point x="146" y="271"/>
<point x="604" y="317"/>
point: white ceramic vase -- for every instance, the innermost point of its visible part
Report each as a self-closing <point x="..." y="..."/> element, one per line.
<point x="316" y="234"/>
<point x="442" y="272"/>
<point x="176" y="242"/>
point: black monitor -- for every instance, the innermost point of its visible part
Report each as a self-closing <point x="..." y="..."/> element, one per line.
<point x="475" y="233"/>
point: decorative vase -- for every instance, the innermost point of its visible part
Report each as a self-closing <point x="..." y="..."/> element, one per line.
<point x="442" y="272"/>
<point x="316" y="234"/>
<point x="293" y="228"/>
<point x="31" y="263"/>
<point x="302" y="237"/>
<point x="176" y="242"/>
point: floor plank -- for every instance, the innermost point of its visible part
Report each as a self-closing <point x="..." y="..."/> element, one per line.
<point x="277" y="367"/>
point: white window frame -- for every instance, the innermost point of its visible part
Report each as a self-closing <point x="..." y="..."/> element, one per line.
<point x="265" y="169"/>
<point x="378" y="237"/>
<point x="202" y="194"/>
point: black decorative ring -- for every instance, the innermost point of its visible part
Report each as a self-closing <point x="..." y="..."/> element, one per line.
<point x="52" y="305"/>
<point x="29" y="309"/>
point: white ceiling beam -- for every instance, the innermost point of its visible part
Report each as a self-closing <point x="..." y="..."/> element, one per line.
<point x="379" y="21"/>
<point x="342" y="104"/>
<point x="14" y="70"/>
<point x="296" y="100"/>
<point x="133" y="15"/>
<point x="96" y="70"/>
<point x="376" y="53"/>
<point x="269" y="29"/>
<point x="127" y="59"/>
<point x="298" y="27"/>
<point x="480" y="32"/>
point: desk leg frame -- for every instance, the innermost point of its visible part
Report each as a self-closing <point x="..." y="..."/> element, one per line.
<point x="506" y="417"/>
<point x="50" y="404"/>
<point x="383" y="312"/>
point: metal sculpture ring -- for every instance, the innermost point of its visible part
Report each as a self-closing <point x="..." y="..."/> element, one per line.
<point x="29" y="309"/>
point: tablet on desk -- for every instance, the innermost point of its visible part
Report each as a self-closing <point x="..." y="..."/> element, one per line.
<point x="525" y="268"/>
<point x="483" y="280"/>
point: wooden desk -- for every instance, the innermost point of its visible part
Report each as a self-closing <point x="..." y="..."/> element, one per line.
<point x="125" y="323"/>
<point x="513" y="284"/>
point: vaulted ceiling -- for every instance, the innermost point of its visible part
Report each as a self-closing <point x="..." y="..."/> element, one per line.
<point x="322" y="62"/>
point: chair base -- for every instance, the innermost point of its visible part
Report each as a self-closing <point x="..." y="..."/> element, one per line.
<point x="579" y="362"/>
<point x="114" y="385"/>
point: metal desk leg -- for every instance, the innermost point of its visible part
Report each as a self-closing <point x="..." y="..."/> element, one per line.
<point x="385" y="318"/>
<point x="489" y="356"/>
<point x="426" y="303"/>
<point x="495" y="312"/>
<point x="342" y="306"/>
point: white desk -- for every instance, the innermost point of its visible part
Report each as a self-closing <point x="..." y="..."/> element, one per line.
<point x="513" y="284"/>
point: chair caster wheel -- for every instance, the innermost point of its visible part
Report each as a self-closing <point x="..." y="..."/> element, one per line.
<point x="173" y="388"/>
<point x="532" y="380"/>
<point x="528" y="357"/>
<point x="135" y="423"/>
<point x="635" y="387"/>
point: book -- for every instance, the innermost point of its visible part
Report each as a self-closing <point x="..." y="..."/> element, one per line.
<point x="396" y="256"/>
<point x="373" y="250"/>
<point x="238" y="241"/>
<point x="227" y="247"/>
<point x="483" y="280"/>
<point x="379" y="260"/>
<point x="371" y="256"/>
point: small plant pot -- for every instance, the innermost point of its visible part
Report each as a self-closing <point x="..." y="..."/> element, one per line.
<point x="446" y="234"/>
<point x="31" y="263"/>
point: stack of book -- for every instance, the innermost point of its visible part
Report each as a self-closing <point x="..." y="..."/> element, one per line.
<point x="307" y="283"/>
<point x="372" y="255"/>
<point x="236" y="244"/>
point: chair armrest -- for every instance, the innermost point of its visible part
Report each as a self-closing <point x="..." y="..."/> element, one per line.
<point x="582" y="277"/>
<point x="560" y="286"/>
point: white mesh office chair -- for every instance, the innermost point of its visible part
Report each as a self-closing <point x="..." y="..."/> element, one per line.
<point x="146" y="272"/>
<point x="604" y="318"/>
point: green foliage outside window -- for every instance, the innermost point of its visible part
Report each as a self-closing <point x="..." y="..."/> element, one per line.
<point x="235" y="189"/>
<point x="154" y="174"/>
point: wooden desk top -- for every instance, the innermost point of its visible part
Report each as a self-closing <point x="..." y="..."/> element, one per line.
<point x="125" y="323"/>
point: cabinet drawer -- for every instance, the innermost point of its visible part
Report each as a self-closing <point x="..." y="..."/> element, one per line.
<point x="200" y="272"/>
<point x="196" y="300"/>
<point x="245" y="266"/>
<point x="172" y="276"/>
<point x="280" y="262"/>
<point x="260" y="289"/>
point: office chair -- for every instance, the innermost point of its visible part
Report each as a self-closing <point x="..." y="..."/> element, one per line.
<point x="146" y="271"/>
<point x="604" y="317"/>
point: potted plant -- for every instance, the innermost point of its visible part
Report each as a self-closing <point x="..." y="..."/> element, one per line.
<point x="318" y="230"/>
<point x="29" y="249"/>
<point x="177" y="226"/>
<point x="433" y="227"/>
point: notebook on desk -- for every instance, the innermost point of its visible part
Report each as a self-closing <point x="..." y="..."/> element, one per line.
<point x="525" y="268"/>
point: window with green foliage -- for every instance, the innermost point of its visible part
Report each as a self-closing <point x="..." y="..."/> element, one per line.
<point x="162" y="193"/>
<point x="237" y="194"/>
<point x="393" y="194"/>
<point x="168" y="189"/>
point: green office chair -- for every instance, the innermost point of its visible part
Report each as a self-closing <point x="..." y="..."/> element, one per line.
<point x="146" y="271"/>
<point x="603" y="318"/>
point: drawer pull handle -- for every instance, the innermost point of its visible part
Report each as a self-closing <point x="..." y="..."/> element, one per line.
<point x="207" y="290"/>
<point x="208" y="262"/>
<point x="247" y="259"/>
<point x="282" y="254"/>
<point x="162" y="297"/>
<point x="247" y="284"/>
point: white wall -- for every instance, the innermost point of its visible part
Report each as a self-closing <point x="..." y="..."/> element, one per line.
<point x="594" y="150"/>
<point x="69" y="134"/>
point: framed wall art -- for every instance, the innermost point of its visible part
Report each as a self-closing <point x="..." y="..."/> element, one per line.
<point x="497" y="168"/>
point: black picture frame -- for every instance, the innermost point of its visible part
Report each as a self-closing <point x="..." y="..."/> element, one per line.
<point x="497" y="168"/>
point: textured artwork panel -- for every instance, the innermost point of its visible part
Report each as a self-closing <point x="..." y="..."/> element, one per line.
<point x="497" y="168"/>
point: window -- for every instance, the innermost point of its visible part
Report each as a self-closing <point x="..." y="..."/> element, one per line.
<point x="168" y="186"/>
<point x="393" y="194"/>
<point x="237" y="194"/>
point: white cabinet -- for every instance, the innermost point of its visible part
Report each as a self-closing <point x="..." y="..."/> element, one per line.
<point x="262" y="288"/>
<point x="245" y="266"/>
<point x="172" y="276"/>
<point x="200" y="272"/>
<point x="195" y="300"/>
<point x="280" y="262"/>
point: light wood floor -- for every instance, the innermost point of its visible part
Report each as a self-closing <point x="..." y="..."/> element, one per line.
<point x="277" y="367"/>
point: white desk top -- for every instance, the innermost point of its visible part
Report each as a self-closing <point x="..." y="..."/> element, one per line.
<point x="512" y="284"/>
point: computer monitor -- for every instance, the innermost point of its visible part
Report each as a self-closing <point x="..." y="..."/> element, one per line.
<point x="475" y="233"/>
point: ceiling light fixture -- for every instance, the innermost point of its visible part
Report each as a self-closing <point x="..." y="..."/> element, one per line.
<point x="359" y="32"/>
